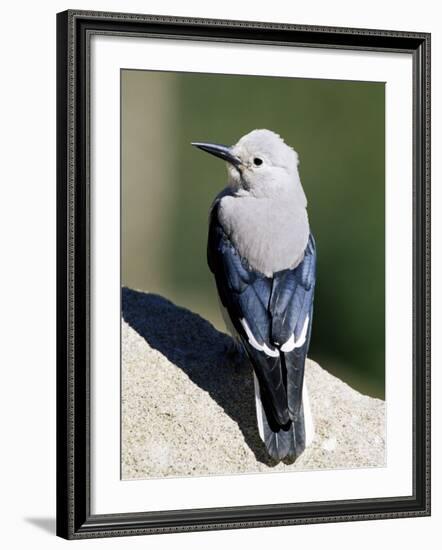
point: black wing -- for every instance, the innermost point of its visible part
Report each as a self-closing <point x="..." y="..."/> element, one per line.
<point x="291" y="309"/>
<point x="275" y="311"/>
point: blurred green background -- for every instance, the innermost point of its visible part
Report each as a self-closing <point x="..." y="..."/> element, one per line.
<point x="337" y="127"/>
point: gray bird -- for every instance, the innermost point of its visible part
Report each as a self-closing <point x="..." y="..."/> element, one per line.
<point x="263" y="257"/>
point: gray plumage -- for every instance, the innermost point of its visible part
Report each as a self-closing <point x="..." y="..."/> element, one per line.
<point x="263" y="256"/>
<point x="270" y="236"/>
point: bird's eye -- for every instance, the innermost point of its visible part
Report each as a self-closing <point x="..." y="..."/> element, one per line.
<point x="257" y="161"/>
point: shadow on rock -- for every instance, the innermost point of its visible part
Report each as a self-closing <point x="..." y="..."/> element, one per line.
<point x="197" y="348"/>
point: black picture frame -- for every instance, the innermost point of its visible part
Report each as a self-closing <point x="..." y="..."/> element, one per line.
<point x="74" y="518"/>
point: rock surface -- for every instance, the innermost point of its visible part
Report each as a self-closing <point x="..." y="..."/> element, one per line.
<point x="186" y="410"/>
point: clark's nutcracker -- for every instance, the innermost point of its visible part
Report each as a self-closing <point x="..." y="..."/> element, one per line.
<point x="262" y="254"/>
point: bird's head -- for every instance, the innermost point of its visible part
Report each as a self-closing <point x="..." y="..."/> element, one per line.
<point x="260" y="163"/>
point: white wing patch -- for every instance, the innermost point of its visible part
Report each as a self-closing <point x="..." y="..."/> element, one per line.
<point x="258" y="407"/>
<point x="290" y="345"/>
<point x="252" y="341"/>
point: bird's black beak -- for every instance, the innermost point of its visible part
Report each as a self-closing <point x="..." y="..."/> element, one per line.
<point x="221" y="151"/>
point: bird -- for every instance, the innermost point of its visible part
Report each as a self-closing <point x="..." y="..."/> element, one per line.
<point x="262" y="254"/>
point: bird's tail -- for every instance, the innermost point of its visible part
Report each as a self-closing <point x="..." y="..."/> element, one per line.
<point x="288" y="442"/>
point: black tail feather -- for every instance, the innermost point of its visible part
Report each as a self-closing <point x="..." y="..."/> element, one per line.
<point x="286" y="443"/>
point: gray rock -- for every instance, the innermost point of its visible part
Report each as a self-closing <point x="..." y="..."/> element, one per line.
<point x="187" y="410"/>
